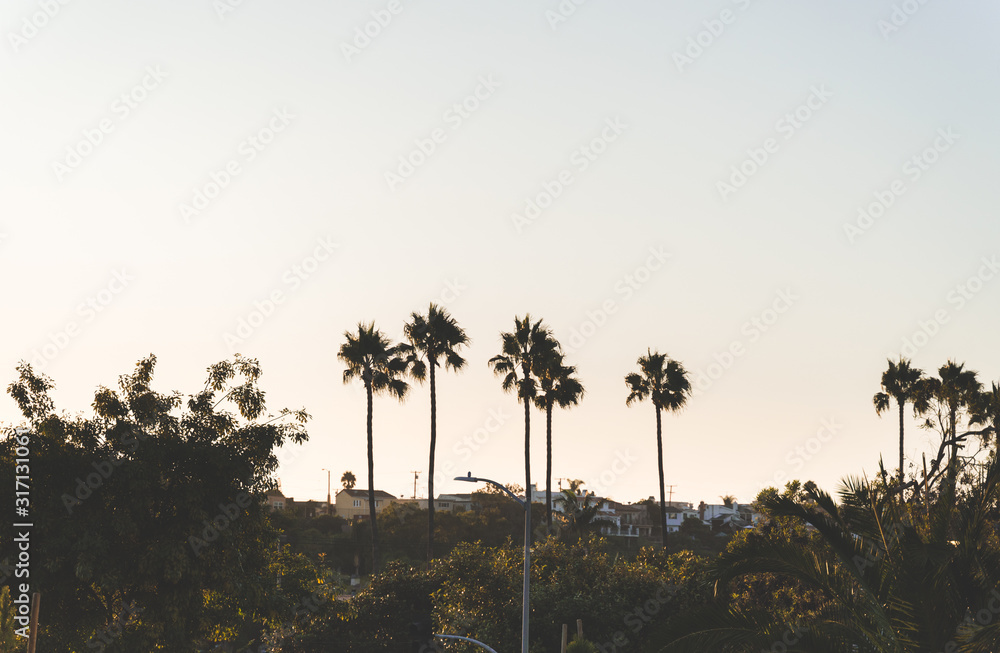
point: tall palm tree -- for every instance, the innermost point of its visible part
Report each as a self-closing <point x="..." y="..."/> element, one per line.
<point x="523" y="353"/>
<point x="901" y="382"/>
<point x="665" y="382"/>
<point x="371" y="357"/>
<point x="432" y="339"/>
<point x="558" y="387"/>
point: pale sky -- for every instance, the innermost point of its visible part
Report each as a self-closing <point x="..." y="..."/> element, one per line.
<point x="169" y="169"/>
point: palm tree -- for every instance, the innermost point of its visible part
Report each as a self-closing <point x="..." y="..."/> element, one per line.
<point x="557" y="386"/>
<point x="432" y="338"/>
<point x="901" y="382"/>
<point x="523" y="353"/>
<point x="665" y="382"/>
<point x="886" y="579"/>
<point x="348" y="480"/>
<point x="946" y="396"/>
<point x="580" y="516"/>
<point x="985" y="411"/>
<point x="371" y="357"/>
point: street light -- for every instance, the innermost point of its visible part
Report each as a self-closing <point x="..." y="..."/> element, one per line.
<point x="327" y="488"/>
<point x="526" y="504"/>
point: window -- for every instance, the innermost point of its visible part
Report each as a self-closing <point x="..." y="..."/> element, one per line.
<point x="278" y="505"/>
<point x="443" y="504"/>
<point x="357" y="503"/>
<point x="378" y="504"/>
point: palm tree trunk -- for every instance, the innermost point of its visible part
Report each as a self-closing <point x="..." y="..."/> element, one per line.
<point x="659" y="457"/>
<point x="548" y="465"/>
<point x="371" y="479"/>
<point x="527" y="453"/>
<point x="430" y="470"/>
<point x="900" y="403"/>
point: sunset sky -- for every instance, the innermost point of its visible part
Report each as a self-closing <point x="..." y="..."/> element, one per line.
<point x="778" y="194"/>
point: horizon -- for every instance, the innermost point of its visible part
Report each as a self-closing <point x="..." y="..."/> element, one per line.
<point x="780" y="197"/>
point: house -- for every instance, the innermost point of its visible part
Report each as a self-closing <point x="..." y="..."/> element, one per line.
<point x="276" y="500"/>
<point x="353" y="504"/>
<point x="444" y="502"/>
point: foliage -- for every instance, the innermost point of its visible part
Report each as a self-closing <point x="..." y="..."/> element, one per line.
<point x="149" y="521"/>
<point x="871" y="572"/>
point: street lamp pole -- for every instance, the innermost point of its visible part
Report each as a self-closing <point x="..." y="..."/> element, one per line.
<point x="327" y="488"/>
<point x="526" y="504"/>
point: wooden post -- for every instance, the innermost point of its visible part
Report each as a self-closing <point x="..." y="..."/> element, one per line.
<point x="565" y="634"/>
<point x="36" y="598"/>
<point x="579" y="628"/>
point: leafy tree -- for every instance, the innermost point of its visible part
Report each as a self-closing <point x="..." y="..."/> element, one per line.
<point x="9" y="641"/>
<point x="371" y="357"/>
<point x="150" y="529"/>
<point x="432" y="339"/>
<point x="524" y="352"/>
<point x="348" y="480"/>
<point x="902" y="383"/>
<point x="557" y="387"/>
<point x="665" y="382"/>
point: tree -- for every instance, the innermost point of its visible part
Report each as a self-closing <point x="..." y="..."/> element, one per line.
<point x="946" y="398"/>
<point x="558" y="387"/>
<point x="151" y="516"/>
<point x="371" y="357"/>
<point x="877" y="575"/>
<point x="985" y="411"/>
<point x="348" y="480"/>
<point x="728" y="500"/>
<point x="901" y="382"/>
<point x="523" y="354"/>
<point x="579" y="511"/>
<point x="665" y="382"/>
<point x="432" y="338"/>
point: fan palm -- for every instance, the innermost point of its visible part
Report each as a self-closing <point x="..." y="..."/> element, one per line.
<point x="665" y="382"/>
<point x="557" y="387"/>
<point x="432" y="339"/>
<point x="371" y="357"/>
<point x="901" y="382"/>
<point x="945" y="397"/>
<point x="523" y="354"/>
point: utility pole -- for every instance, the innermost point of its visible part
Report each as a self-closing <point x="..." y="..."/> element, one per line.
<point x="670" y="501"/>
<point x="415" y="475"/>
<point x="560" y="480"/>
<point x="327" y="489"/>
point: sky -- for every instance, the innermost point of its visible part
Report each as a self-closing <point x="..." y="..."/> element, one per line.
<point x="779" y="195"/>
